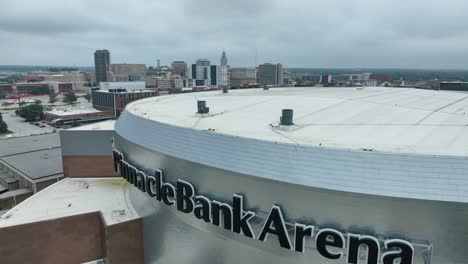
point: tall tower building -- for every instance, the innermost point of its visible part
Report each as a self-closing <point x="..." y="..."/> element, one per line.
<point x="224" y="61"/>
<point x="102" y="65"/>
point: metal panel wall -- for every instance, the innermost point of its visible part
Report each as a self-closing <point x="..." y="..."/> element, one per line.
<point x="173" y="237"/>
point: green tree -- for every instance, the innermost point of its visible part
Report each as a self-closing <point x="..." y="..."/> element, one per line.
<point x="5" y="104"/>
<point x="76" y="123"/>
<point x="22" y="103"/>
<point x="37" y="102"/>
<point x="3" y="125"/>
<point x="70" y="98"/>
<point x="87" y="97"/>
<point x="30" y="112"/>
<point x="52" y="97"/>
<point x="2" y="95"/>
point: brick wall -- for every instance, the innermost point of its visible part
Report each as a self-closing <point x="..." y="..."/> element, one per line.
<point x="72" y="239"/>
<point x="88" y="166"/>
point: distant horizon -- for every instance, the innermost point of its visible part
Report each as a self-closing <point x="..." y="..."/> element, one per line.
<point x="245" y="67"/>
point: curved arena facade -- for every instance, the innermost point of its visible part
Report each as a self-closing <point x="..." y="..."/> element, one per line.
<point x="374" y="175"/>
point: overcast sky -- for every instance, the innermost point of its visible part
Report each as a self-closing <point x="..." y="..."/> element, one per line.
<point x="297" y="33"/>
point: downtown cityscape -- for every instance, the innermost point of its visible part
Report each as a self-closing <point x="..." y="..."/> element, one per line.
<point x="247" y="131"/>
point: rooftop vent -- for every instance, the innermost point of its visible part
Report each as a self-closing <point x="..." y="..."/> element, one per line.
<point x="225" y="90"/>
<point x="202" y="109"/>
<point x="287" y="117"/>
<point x="265" y="87"/>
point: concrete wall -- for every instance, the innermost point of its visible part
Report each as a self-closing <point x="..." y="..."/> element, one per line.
<point x="87" y="153"/>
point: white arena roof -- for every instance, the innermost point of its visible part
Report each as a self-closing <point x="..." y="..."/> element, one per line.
<point x="401" y="120"/>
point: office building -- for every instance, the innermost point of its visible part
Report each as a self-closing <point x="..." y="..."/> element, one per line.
<point x="124" y="72"/>
<point x="123" y="85"/>
<point x="62" y="87"/>
<point x="31" y="88"/>
<point x="116" y="99"/>
<point x="222" y="76"/>
<point x="270" y="74"/>
<point x="6" y="88"/>
<point x="179" y="68"/>
<point x="201" y="73"/>
<point x="214" y="75"/>
<point x="163" y="83"/>
<point x="243" y="77"/>
<point x="229" y="184"/>
<point x="102" y="63"/>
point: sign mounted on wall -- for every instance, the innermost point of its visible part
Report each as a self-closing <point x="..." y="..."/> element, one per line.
<point x="330" y="243"/>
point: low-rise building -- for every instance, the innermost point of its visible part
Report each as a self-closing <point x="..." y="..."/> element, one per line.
<point x="64" y="117"/>
<point x="116" y="99"/>
<point x="6" y="88"/>
<point x="62" y="87"/>
<point x="454" y="86"/>
<point x="163" y="83"/>
<point x="28" y="165"/>
<point x="123" y="85"/>
<point x="28" y="88"/>
<point x="240" y="77"/>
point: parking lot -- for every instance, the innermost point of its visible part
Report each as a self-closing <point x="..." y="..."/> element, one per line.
<point x="20" y="128"/>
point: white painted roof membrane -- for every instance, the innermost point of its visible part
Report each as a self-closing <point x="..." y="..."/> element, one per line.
<point x="73" y="197"/>
<point x="402" y="120"/>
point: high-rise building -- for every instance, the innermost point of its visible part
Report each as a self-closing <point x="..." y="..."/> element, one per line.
<point x="270" y="74"/>
<point x="102" y="65"/>
<point x="213" y="74"/>
<point x="202" y="72"/>
<point x="179" y="68"/>
<point x="224" y="61"/>
<point x="222" y="76"/>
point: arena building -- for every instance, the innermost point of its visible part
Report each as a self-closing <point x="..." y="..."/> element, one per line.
<point x="375" y="173"/>
<point x="287" y="175"/>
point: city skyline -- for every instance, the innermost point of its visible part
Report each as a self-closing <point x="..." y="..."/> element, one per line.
<point x="362" y="34"/>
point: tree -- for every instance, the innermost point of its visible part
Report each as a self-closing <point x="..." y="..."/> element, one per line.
<point x="76" y="123"/>
<point x="22" y="103"/>
<point x="70" y="98"/>
<point x="30" y="112"/>
<point x="2" y="95"/>
<point x="37" y="102"/>
<point x="87" y="97"/>
<point x="52" y="97"/>
<point x="3" y="125"/>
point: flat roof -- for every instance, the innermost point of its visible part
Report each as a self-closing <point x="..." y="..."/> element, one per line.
<point x="403" y="120"/>
<point x="104" y="125"/>
<point x="17" y="145"/>
<point x="73" y="196"/>
<point x="72" y="111"/>
<point x="127" y="91"/>
<point x="38" y="164"/>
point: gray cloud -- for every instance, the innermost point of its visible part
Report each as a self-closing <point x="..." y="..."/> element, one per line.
<point x="298" y="33"/>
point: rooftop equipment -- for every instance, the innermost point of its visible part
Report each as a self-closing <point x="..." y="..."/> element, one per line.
<point x="287" y="117"/>
<point x="202" y="109"/>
